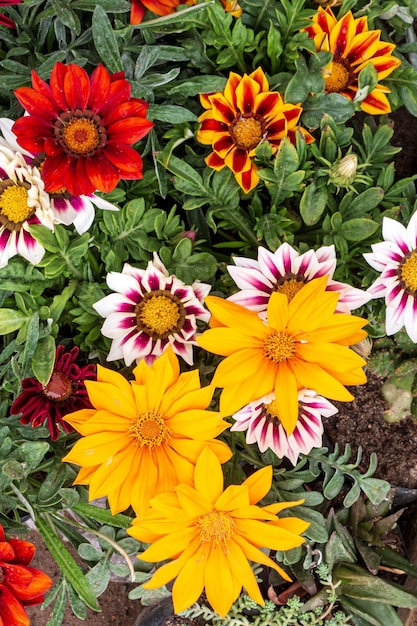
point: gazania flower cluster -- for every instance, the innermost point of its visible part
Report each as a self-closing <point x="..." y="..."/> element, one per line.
<point x="64" y="393"/>
<point x="159" y="7"/>
<point x="85" y="126"/>
<point x="67" y="209"/>
<point x="353" y="46"/>
<point x="149" y="311"/>
<point x="240" y="118"/>
<point x="20" y="584"/>
<point x="287" y="271"/>
<point x="396" y="259"/>
<point x="23" y="202"/>
<point x="143" y="437"/>
<point x="261" y="420"/>
<point x="302" y="343"/>
<point x="209" y="534"/>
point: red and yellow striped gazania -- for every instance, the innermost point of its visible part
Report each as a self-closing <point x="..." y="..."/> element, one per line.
<point x="353" y="46"/>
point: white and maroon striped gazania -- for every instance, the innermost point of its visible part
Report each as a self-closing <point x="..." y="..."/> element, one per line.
<point x="149" y="311"/>
<point x="261" y="421"/>
<point x="396" y="259"/>
<point x="23" y="202"/>
<point x="287" y="271"/>
<point x="67" y="209"/>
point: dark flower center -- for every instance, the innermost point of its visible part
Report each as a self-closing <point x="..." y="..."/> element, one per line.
<point x="160" y="314"/>
<point x="14" y="209"/>
<point x="80" y="133"/>
<point x="290" y="285"/>
<point x="59" y="387"/>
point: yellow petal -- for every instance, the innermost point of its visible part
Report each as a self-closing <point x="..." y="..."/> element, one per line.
<point x="277" y="312"/>
<point x="234" y="497"/>
<point x="243" y="572"/>
<point x="96" y="449"/>
<point x="267" y="534"/>
<point x="169" y="546"/>
<point x="78" y="418"/>
<point x="218" y="581"/>
<point x="232" y="314"/>
<point x="292" y="524"/>
<point x="192" y="501"/>
<point x="118" y="399"/>
<point x="259" y="483"/>
<point x="258" y="556"/>
<point x="312" y="376"/>
<point x="189" y="583"/>
<point x="286" y="397"/>
<point x="208" y="475"/>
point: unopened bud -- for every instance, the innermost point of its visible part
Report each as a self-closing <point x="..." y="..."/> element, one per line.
<point x="189" y="234"/>
<point x="343" y="173"/>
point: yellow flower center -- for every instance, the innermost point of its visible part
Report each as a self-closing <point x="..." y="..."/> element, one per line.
<point x="149" y="430"/>
<point x="59" y="387"/>
<point x="247" y="132"/>
<point x="290" y="286"/>
<point x="279" y="346"/>
<point x="14" y="203"/>
<point x="337" y="79"/>
<point x="215" y="526"/>
<point x="271" y="411"/>
<point x="80" y="135"/>
<point x="408" y="273"/>
<point x="160" y="314"/>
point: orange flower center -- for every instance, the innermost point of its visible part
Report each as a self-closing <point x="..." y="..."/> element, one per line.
<point x="59" y="387"/>
<point x="215" y="526"/>
<point x="80" y="133"/>
<point x="279" y="346"/>
<point x="14" y="209"/>
<point x="247" y="131"/>
<point x="290" y="285"/>
<point x="160" y="314"/>
<point x="408" y="273"/>
<point x="149" y="430"/>
<point x="338" y="78"/>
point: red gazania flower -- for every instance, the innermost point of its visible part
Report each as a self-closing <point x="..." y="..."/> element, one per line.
<point x="85" y="126"/>
<point x="6" y="21"/>
<point x="240" y="118"/>
<point x="160" y="7"/>
<point x="353" y="46"/>
<point x="64" y="393"/>
<point x="20" y="585"/>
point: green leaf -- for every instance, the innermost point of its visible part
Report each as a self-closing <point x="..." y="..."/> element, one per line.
<point x="371" y="613"/>
<point x="58" y="612"/>
<point x="67" y="564"/>
<point x="45" y="237"/>
<point x="105" y="41"/>
<point x="170" y="113"/>
<point x="358" y="229"/>
<point x="43" y="359"/>
<point x="196" y="85"/>
<point x="11" y="320"/>
<point x="375" y="489"/>
<point x="104" y="516"/>
<point x="315" y="107"/>
<point x="312" y="204"/>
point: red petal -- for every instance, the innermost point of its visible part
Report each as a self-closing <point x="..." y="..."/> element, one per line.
<point x="214" y="125"/>
<point x="124" y="158"/>
<point x="6" y="21"/>
<point x="36" y="103"/>
<point x="53" y="170"/>
<point x="248" y="180"/>
<point x="161" y="8"/>
<point x="6" y="551"/>
<point x="137" y="13"/>
<point x="24" y="551"/>
<point x="246" y="92"/>
<point x="52" y="147"/>
<point x="99" y="87"/>
<point x="76" y="179"/>
<point x="219" y="102"/>
<point x="16" y="576"/>
<point x="129" y="130"/>
<point x="77" y="87"/>
<point x="2" y="535"/>
<point x="31" y="132"/>
<point x="119" y="91"/>
<point x="41" y="86"/>
<point x="56" y="83"/>
<point x="39" y="583"/>
<point x="11" y="610"/>
<point x="102" y="174"/>
<point x="213" y="160"/>
<point x="132" y="108"/>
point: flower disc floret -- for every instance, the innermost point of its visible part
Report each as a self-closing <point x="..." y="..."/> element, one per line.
<point x="85" y="125"/>
<point x="353" y="46"/>
<point x="240" y="118"/>
<point x="209" y="534"/>
<point x="149" y="311"/>
<point x="143" y="437"/>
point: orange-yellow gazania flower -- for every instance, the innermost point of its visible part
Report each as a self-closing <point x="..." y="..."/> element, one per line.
<point x="302" y="343"/>
<point x="210" y="535"/>
<point x="241" y="117"/>
<point x="144" y="436"/>
<point x="159" y="7"/>
<point x="353" y="46"/>
<point x="232" y="6"/>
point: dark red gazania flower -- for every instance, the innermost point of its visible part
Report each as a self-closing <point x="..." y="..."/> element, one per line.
<point x="20" y="585"/>
<point x="6" y="21"/>
<point x="85" y="126"/>
<point x="64" y="393"/>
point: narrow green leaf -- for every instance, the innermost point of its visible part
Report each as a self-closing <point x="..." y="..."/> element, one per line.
<point x="103" y="516"/>
<point x="105" y="41"/>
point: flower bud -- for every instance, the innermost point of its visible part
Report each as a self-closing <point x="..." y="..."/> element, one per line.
<point x="343" y="172"/>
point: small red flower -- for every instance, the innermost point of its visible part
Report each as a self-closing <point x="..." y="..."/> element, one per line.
<point x="64" y="393"/>
<point x="159" y="7"/>
<point x="85" y="126"/>
<point x="20" y="585"/>
<point x="6" y="21"/>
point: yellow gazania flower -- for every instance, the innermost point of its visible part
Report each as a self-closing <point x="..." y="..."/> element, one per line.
<point x="144" y="436"/>
<point x="303" y="343"/>
<point x="210" y="535"/>
<point x="241" y="117"/>
<point x="232" y="6"/>
<point x="353" y="46"/>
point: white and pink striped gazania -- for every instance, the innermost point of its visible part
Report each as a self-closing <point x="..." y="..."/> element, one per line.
<point x="23" y="202"/>
<point x="287" y="271"/>
<point x="149" y="311"/>
<point x="67" y="209"/>
<point x="263" y="426"/>
<point x="396" y="259"/>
